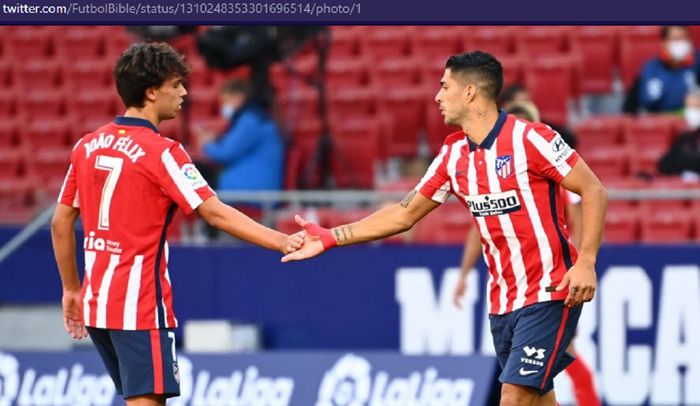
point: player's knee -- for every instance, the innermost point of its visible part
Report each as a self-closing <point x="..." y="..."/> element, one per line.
<point x="517" y="395"/>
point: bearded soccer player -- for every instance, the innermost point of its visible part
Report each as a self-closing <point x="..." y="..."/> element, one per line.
<point x="126" y="181"/>
<point x="505" y="171"/>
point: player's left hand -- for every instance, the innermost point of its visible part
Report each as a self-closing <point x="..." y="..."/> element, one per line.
<point x="72" y="315"/>
<point x="294" y="242"/>
<point x="313" y="243"/>
<point x="581" y="281"/>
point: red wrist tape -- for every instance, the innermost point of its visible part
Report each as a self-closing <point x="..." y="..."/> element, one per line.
<point x="324" y="234"/>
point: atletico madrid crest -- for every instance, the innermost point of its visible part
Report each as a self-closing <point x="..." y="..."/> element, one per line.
<point x="504" y="166"/>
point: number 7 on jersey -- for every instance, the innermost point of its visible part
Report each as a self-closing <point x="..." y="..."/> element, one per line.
<point x="114" y="168"/>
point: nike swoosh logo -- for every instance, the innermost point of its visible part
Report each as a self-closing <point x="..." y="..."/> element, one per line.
<point x="525" y="372"/>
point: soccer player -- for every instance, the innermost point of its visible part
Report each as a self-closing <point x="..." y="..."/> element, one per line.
<point x="126" y="181"/>
<point x="505" y="171"/>
<point x="580" y="374"/>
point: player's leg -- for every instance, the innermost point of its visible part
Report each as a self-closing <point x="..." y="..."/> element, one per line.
<point x="518" y="395"/>
<point x="146" y="400"/>
<point x="548" y="399"/>
<point x="148" y="365"/>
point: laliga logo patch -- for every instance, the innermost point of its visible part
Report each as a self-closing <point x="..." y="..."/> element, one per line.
<point x="348" y="383"/>
<point x="192" y="174"/>
<point x="504" y="166"/>
<point x="9" y="379"/>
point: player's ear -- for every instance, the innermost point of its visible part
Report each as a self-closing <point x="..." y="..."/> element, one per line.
<point x="151" y="94"/>
<point x="469" y="92"/>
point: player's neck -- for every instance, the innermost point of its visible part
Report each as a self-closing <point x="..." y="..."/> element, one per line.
<point x="479" y="123"/>
<point x="143" y="113"/>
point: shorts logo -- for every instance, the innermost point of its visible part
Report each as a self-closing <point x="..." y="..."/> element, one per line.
<point x="530" y="351"/>
<point x="525" y="372"/>
<point x="504" y="166"/>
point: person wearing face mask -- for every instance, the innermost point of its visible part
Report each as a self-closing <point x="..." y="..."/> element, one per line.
<point x="251" y="149"/>
<point x="683" y="158"/>
<point x="664" y="80"/>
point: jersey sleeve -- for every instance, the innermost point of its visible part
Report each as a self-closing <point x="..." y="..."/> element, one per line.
<point x="180" y="179"/>
<point x="435" y="184"/>
<point x="69" y="190"/>
<point x="550" y="156"/>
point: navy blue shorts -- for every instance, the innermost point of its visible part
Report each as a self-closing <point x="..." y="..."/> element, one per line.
<point x="531" y="343"/>
<point x="140" y="362"/>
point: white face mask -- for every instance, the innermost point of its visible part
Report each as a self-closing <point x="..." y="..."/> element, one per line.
<point x="692" y="117"/>
<point x="679" y="49"/>
<point x="227" y="111"/>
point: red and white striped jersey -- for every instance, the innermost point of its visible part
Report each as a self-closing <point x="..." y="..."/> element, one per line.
<point x="128" y="181"/>
<point x="510" y="184"/>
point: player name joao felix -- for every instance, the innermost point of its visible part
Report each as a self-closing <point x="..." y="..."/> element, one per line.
<point x="123" y="144"/>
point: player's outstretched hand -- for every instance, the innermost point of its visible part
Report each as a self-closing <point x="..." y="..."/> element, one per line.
<point x="581" y="280"/>
<point x="72" y="316"/>
<point x="294" y="242"/>
<point x="318" y="239"/>
<point x="460" y="290"/>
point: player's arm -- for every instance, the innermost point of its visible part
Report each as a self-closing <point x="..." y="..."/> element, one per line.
<point x="387" y="221"/>
<point x="63" y="239"/>
<point x="237" y="224"/>
<point x="472" y="250"/>
<point x="581" y="277"/>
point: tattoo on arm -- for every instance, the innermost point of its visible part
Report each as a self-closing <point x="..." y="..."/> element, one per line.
<point x="343" y="233"/>
<point x="407" y="200"/>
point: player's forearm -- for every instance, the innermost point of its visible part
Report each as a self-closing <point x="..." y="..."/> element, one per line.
<point x="385" y="222"/>
<point x="63" y="239"/>
<point x="594" y="200"/>
<point x="471" y="252"/>
<point x="241" y="226"/>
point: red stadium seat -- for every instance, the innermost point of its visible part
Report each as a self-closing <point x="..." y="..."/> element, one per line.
<point x="649" y="131"/>
<point x="449" y="224"/>
<point x="36" y="74"/>
<point x="32" y="43"/>
<point x="305" y="130"/>
<point x="97" y="104"/>
<point x="404" y="107"/>
<point x="299" y="104"/>
<point x="48" y="166"/>
<point x="174" y="129"/>
<point x="552" y="82"/>
<point x="608" y="163"/>
<point x="435" y="128"/>
<point x="7" y="77"/>
<point x="513" y="68"/>
<point x="15" y="201"/>
<point x="46" y="134"/>
<point x="346" y="71"/>
<point x="497" y="41"/>
<point x="621" y="225"/>
<point x="200" y="76"/>
<point x="399" y="72"/>
<point x="436" y="43"/>
<point x="355" y="152"/>
<point x="541" y="40"/>
<point x="10" y="164"/>
<point x="74" y="45"/>
<point x="8" y="103"/>
<point x="605" y="131"/>
<point x="117" y="42"/>
<point x="8" y="134"/>
<point x="345" y="40"/>
<point x="87" y="74"/>
<point x="202" y="103"/>
<point x="667" y="226"/>
<point x="598" y="49"/>
<point x="386" y="42"/>
<point x="40" y="105"/>
<point x="353" y="103"/>
<point x="645" y="159"/>
<point x="638" y="44"/>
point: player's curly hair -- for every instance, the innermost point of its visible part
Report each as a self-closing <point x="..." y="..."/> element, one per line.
<point x="482" y="67"/>
<point x="144" y="65"/>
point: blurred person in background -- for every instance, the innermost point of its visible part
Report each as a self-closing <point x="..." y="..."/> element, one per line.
<point x="683" y="157"/>
<point x="664" y="80"/>
<point x="504" y="171"/>
<point x="578" y="371"/>
<point x="126" y="181"/>
<point x="251" y="149"/>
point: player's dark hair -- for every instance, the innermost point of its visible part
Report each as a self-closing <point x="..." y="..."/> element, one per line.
<point x="483" y="67"/>
<point x="144" y="65"/>
<point x="666" y="30"/>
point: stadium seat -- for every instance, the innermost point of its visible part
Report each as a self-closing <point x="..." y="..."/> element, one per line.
<point x="7" y="77"/>
<point x="46" y="134"/>
<point x="666" y="226"/>
<point x="449" y="224"/>
<point x="40" y="105"/>
<point x="74" y="45"/>
<point x="117" y="42"/>
<point x="541" y="40"/>
<point x="203" y="103"/>
<point x="608" y="163"/>
<point x="299" y="104"/>
<point x="174" y="129"/>
<point x="497" y="41"/>
<point x="599" y="132"/>
<point x="8" y="134"/>
<point x="93" y="103"/>
<point x="8" y="103"/>
<point x="404" y="107"/>
<point x="305" y="130"/>
<point x="87" y="74"/>
<point x="436" y="43"/>
<point x="645" y="159"/>
<point x="621" y="225"/>
<point x="10" y="164"/>
<point x="649" y="131"/>
<point x="346" y="71"/>
<point x="598" y="49"/>
<point x="638" y="44"/>
<point x="396" y="72"/>
<point x="353" y="103"/>
<point x="355" y="152"/>
<point x="435" y="128"/>
<point x="344" y="40"/>
<point x="36" y="74"/>
<point x="33" y="43"/>
<point x="513" y="67"/>
<point x="48" y="167"/>
<point x="552" y="82"/>
<point x="384" y="42"/>
<point x="200" y="78"/>
<point x="15" y="201"/>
